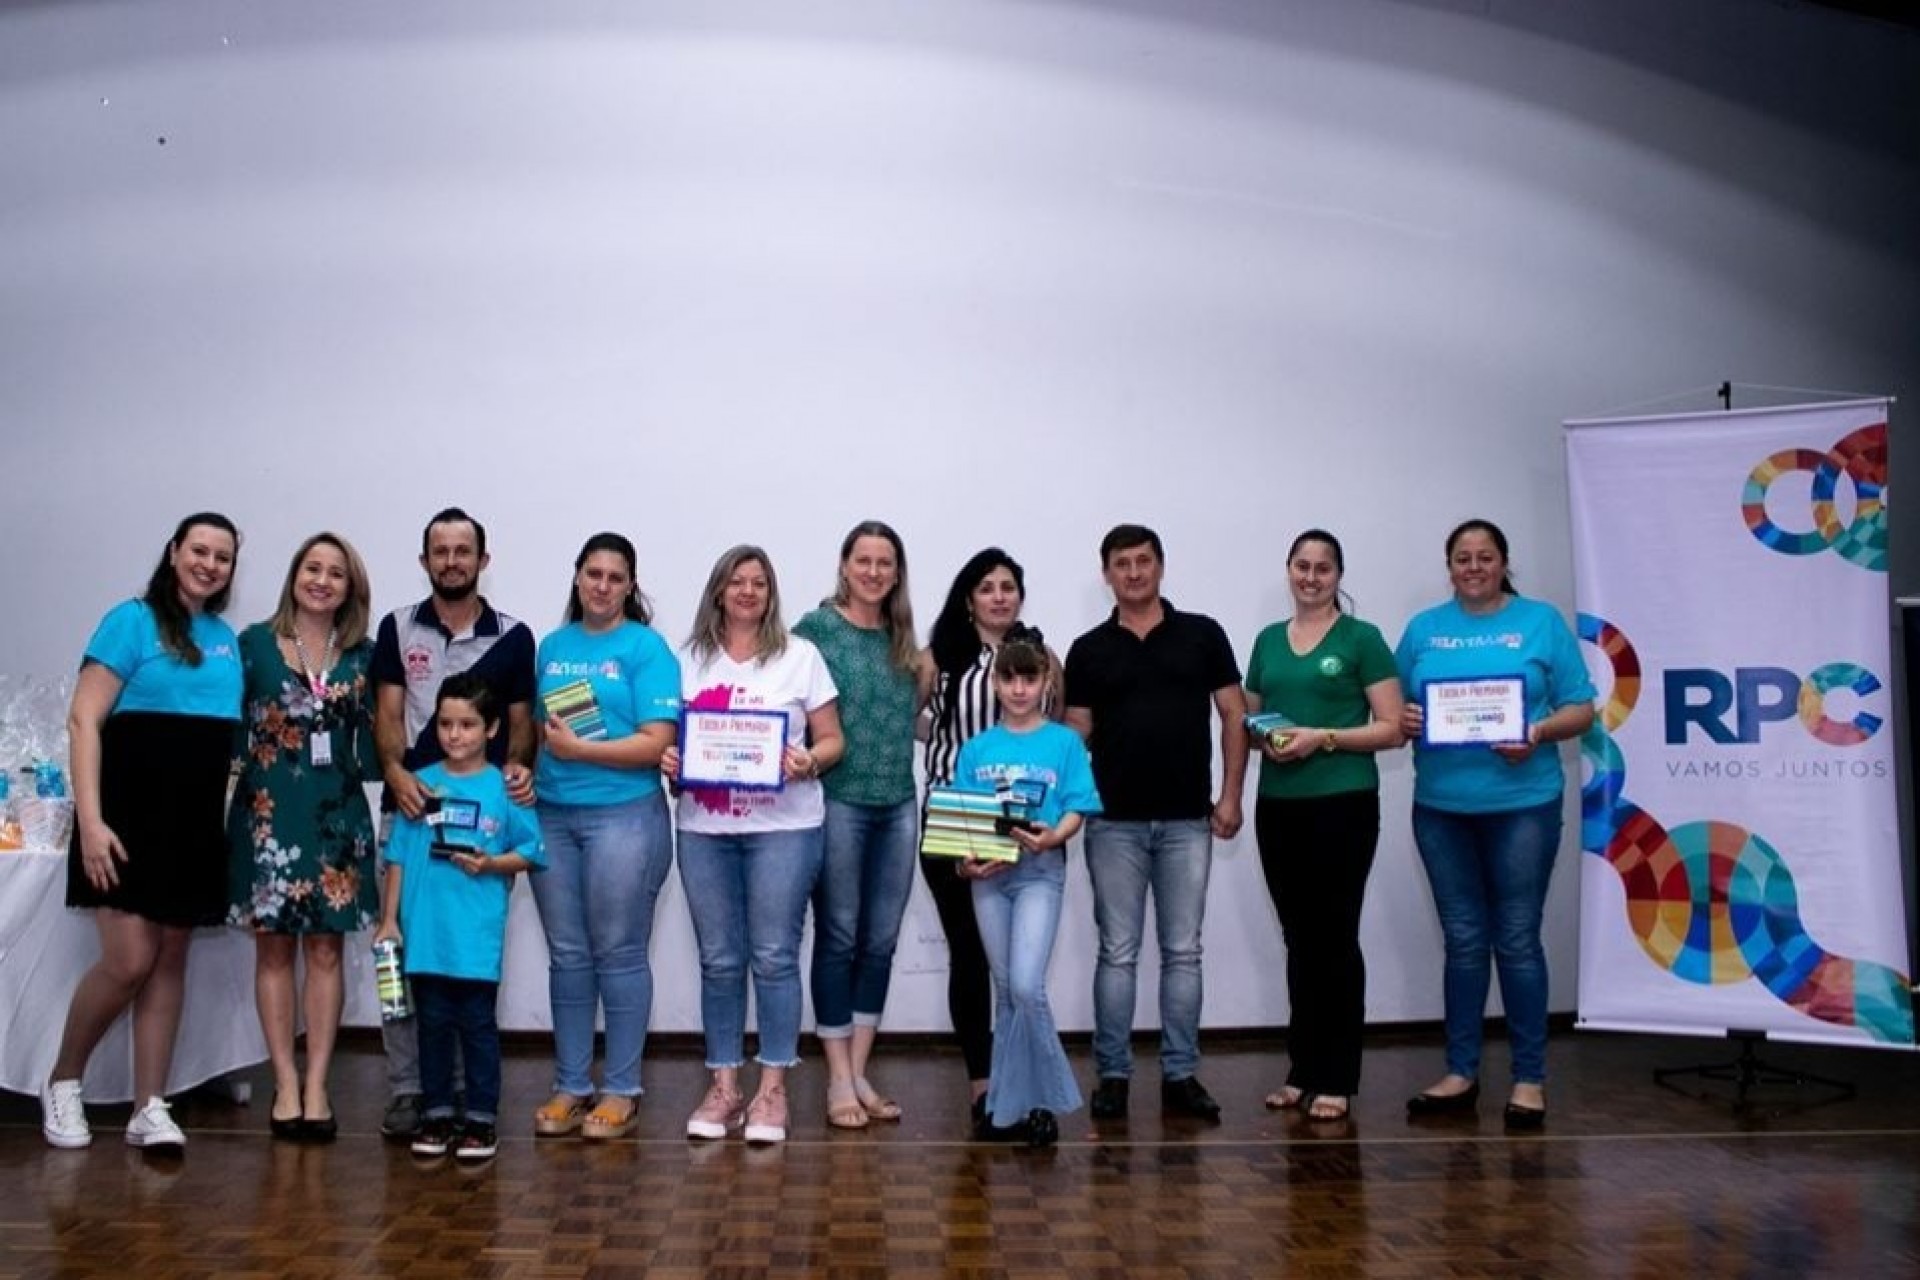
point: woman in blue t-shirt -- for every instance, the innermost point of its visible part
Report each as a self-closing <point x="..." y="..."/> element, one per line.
<point x="1487" y="819"/>
<point x="152" y="730"/>
<point x="610" y="704"/>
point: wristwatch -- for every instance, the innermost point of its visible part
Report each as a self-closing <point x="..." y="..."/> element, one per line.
<point x="1327" y="744"/>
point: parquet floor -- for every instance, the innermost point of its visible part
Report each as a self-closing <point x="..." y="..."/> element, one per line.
<point x="1630" y="1179"/>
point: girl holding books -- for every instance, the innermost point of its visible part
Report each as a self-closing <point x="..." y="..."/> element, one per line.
<point x="609" y="689"/>
<point x="1043" y="769"/>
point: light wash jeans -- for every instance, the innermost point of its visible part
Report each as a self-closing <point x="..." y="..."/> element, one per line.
<point x="748" y="895"/>
<point x="865" y="881"/>
<point x="605" y="867"/>
<point x="1124" y="861"/>
<point x="1489" y="873"/>
<point x="1019" y="914"/>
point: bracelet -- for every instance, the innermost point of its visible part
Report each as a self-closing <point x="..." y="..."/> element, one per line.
<point x="1329" y="745"/>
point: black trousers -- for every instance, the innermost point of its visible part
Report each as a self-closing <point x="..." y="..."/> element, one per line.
<point x="1316" y="854"/>
<point x="969" y="980"/>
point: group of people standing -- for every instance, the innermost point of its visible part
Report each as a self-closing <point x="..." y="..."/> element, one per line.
<point x="563" y="760"/>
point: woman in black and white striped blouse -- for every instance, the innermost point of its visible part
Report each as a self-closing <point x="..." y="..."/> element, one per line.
<point x="982" y="604"/>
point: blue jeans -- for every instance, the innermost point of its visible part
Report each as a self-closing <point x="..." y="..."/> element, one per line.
<point x="1489" y="873"/>
<point x="1124" y="861"/>
<point x="606" y="864"/>
<point x="864" y="884"/>
<point x="1019" y="914"/>
<point x="458" y="1011"/>
<point x="748" y="895"/>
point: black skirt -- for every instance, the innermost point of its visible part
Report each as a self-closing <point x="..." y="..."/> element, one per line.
<point x="163" y="791"/>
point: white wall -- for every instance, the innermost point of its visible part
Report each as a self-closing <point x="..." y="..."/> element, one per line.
<point x="994" y="271"/>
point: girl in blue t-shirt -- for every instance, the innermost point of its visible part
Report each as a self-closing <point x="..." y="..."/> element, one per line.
<point x="1017" y="904"/>
<point x="450" y="879"/>
<point x="154" y="714"/>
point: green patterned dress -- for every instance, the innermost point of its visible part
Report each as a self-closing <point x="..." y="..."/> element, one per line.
<point x="301" y="833"/>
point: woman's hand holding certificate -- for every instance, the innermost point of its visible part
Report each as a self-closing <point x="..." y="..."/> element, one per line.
<point x="737" y="750"/>
<point x="1487" y="711"/>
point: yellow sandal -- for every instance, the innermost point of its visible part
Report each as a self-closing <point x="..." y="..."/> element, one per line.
<point x="559" y="1115"/>
<point x="613" y="1116"/>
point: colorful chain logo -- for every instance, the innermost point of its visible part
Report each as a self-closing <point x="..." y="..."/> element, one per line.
<point x="1712" y="902"/>
<point x="1862" y="457"/>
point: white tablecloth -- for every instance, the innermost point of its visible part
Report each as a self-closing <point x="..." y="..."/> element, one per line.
<point x="45" y="948"/>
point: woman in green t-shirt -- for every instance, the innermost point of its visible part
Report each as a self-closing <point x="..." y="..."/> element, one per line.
<point x="1331" y="680"/>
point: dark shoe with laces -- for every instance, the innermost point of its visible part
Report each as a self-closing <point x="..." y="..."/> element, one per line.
<point x="1187" y="1096"/>
<point x="402" y="1118"/>
<point x="435" y="1136"/>
<point x="477" y="1141"/>
<point x="1042" y="1129"/>
<point x="1110" y="1098"/>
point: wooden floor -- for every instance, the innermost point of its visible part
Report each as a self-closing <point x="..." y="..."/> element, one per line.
<point x="1630" y="1179"/>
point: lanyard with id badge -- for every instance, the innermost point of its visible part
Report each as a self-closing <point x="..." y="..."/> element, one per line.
<point x="445" y="815"/>
<point x="320" y="741"/>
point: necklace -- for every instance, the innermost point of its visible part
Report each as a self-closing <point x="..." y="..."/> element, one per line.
<point x="316" y="681"/>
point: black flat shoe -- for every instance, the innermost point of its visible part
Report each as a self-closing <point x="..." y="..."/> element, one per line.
<point x="1445" y="1104"/>
<point x="292" y="1129"/>
<point x="1042" y="1129"/>
<point x="323" y="1130"/>
<point x="985" y="1130"/>
<point x="1521" y="1119"/>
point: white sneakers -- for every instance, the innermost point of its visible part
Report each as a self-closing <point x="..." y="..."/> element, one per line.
<point x="62" y="1117"/>
<point x="152" y="1126"/>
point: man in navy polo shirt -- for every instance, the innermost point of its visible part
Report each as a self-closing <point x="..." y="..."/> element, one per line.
<point x="451" y="631"/>
<point x="1141" y="689"/>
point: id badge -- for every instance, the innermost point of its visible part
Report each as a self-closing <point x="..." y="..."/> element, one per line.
<point x="320" y="749"/>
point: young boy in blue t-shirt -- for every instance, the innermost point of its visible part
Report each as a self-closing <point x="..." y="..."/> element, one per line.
<point x="449" y="880"/>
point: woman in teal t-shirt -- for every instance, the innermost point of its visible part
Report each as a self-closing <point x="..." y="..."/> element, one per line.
<point x="1317" y="818"/>
<point x="1487" y="819"/>
<point x="865" y="634"/>
<point x="609" y="688"/>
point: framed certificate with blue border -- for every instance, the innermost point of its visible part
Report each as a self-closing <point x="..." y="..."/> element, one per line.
<point x="1486" y="711"/>
<point x="736" y="750"/>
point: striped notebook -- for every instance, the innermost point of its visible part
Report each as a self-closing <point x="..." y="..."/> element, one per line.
<point x="961" y="824"/>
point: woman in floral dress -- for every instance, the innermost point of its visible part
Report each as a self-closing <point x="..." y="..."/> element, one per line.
<point x="301" y="832"/>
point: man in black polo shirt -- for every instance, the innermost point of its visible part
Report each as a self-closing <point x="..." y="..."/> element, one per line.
<point x="1141" y="689"/>
<point x="451" y="631"/>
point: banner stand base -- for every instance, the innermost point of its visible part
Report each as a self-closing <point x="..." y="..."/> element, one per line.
<point x="1748" y="1071"/>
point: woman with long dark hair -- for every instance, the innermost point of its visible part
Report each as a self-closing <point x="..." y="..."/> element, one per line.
<point x="151" y="731"/>
<point x="609" y="689"/>
<point x="982" y="605"/>
<point x="1331" y="677"/>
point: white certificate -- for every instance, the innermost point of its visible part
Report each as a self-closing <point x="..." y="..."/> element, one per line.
<point x="1483" y="712"/>
<point x="740" y="750"/>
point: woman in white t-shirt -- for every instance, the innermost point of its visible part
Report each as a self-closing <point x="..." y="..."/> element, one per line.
<point x="749" y="858"/>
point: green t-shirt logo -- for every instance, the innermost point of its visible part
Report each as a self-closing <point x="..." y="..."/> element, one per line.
<point x="1331" y="665"/>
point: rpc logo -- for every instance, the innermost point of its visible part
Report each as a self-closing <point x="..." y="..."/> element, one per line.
<point x="1758" y="696"/>
<point x="1860" y="456"/>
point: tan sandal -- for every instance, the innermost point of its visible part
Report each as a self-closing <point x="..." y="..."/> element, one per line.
<point x="1326" y="1106"/>
<point x="614" y="1116"/>
<point x="876" y="1104"/>
<point x="559" y="1115"/>
<point x="843" y="1107"/>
